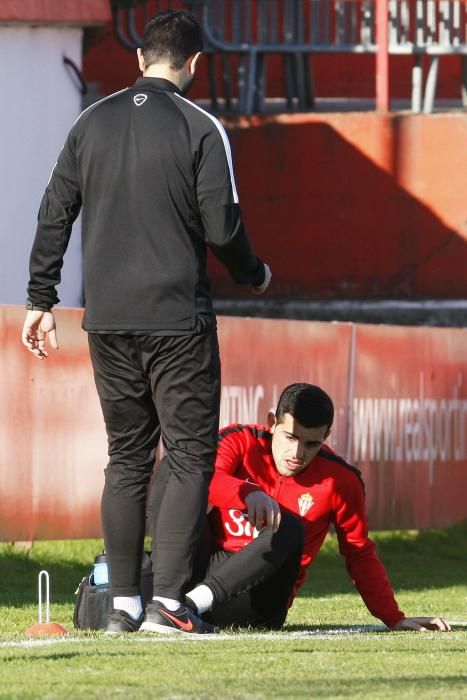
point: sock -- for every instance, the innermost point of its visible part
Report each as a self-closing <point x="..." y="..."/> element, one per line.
<point x="169" y="603"/>
<point x="202" y="597"/>
<point x="130" y="604"/>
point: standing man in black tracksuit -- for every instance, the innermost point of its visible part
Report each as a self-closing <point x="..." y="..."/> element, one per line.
<point x="153" y="173"/>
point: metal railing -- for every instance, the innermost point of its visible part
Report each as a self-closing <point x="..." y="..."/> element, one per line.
<point x="252" y="30"/>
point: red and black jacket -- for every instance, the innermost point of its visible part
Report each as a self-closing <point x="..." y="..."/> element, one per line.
<point x="329" y="491"/>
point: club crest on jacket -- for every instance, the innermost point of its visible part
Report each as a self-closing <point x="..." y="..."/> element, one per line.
<point x="305" y="501"/>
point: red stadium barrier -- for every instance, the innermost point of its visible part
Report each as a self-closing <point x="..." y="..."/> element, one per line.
<point x="53" y="441"/>
<point x="401" y="414"/>
<point x="409" y="424"/>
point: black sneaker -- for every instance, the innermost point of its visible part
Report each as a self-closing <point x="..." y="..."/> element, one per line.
<point x="120" y="621"/>
<point x="159" y="619"/>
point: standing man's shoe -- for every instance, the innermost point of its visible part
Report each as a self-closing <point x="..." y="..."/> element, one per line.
<point x="159" y="619"/>
<point x="120" y="621"/>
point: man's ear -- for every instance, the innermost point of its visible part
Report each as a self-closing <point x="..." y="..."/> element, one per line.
<point x="141" y="64"/>
<point x="271" y="421"/>
<point x="193" y="62"/>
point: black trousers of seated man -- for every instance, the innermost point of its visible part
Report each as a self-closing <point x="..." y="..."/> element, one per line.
<point x="251" y="587"/>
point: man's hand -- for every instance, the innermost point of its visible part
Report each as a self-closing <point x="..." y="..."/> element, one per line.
<point x="267" y="278"/>
<point x="37" y="326"/>
<point x="423" y="624"/>
<point x="263" y="510"/>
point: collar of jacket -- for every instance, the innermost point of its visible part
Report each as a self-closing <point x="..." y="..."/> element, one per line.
<point x="158" y="84"/>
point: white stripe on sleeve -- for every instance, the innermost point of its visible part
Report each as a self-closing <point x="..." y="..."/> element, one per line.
<point x="225" y="140"/>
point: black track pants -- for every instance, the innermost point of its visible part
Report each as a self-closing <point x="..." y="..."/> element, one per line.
<point x="149" y="385"/>
<point x="252" y="587"/>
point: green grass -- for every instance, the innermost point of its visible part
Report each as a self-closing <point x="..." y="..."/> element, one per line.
<point x="428" y="570"/>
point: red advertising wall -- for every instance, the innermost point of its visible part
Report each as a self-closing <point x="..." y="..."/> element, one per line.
<point x="53" y="444"/>
<point x="409" y="418"/>
<point x="401" y="416"/>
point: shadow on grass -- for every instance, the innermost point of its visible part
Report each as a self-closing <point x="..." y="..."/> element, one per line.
<point x="66" y="561"/>
<point x="429" y="684"/>
<point x="383" y="686"/>
<point x="67" y="654"/>
<point x="415" y="560"/>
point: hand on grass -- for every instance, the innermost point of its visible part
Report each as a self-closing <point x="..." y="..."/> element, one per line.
<point x="263" y="510"/>
<point x="423" y="624"/>
<point x="38" y="326"/>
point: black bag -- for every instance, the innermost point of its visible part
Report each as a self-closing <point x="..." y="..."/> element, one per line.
<point x="94" y="602"/>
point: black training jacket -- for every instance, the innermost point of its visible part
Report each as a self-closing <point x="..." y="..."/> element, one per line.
<point x="153" y="174"/>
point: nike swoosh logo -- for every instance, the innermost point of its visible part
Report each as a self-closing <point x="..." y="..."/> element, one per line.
<point x="187" y="626"/>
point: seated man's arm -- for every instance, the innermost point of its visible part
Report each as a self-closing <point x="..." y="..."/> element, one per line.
<point x="228" y="491"/>
<point x="363" y="565"/>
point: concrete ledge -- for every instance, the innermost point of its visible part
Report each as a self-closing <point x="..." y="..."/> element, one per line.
<point x="429" y="312"/>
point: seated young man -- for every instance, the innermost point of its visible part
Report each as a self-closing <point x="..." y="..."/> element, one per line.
<point x="274" y="494"/>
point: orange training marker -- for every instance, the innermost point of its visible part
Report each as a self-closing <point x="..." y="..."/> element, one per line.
<point x="47" y="628"/>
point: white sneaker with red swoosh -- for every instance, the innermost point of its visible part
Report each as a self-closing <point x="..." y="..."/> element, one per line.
<point x="158" y="619"/>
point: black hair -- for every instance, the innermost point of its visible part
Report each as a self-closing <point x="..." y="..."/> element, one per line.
<point x="307" y="403"/>
<point x="172" y="36"/>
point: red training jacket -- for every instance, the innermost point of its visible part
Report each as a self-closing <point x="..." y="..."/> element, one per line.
<point x="328" y="491"/>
